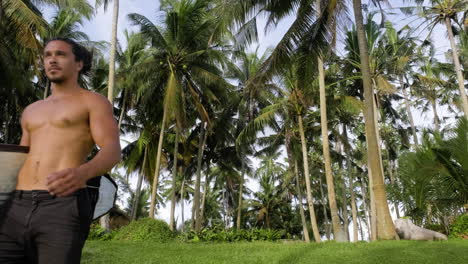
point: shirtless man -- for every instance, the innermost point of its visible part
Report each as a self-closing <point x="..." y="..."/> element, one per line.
<point x="49" y="217"/>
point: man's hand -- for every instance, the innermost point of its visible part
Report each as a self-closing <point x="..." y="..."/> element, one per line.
<point x="65" y="182"/>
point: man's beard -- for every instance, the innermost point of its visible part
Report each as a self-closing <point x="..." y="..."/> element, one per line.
<point x="59" y="79"/>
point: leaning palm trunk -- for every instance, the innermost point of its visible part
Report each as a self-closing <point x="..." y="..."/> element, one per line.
<point x="310" y="202"/>
<point x="196" y="220"/>
<point x="115" y="19"/>
<point x="338" y="233"/>
<point x="138" y="187"/>
<point x="174" y="179"/>
<point x="461" y="81"/>
<point x="301" y="209"/>
<point x="158" y="165"/>
<point x="385" y="227"/>
<point x="408" y="112"/>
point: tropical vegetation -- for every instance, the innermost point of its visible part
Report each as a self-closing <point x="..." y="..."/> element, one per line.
<point x="350" y="121"/>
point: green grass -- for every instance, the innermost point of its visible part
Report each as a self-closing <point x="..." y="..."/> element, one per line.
<point x="413" y="252"/>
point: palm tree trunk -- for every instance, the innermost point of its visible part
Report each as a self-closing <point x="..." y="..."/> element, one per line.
<point x="138" y="187"/>
<point x="392" y="181"/>
<point x="310" y="202"/>
<point x="239" y="207"/>
<point x="338" y="233"/>
<point x="456" y="61"/>
<point x="196" y="206"/>
<point x="174" y="179"/>
<point x="182" y="204"/>
<point x="351" y="183"/>
<point x="115" y="19"/>
<point x="385" y="227"/>
<point x="353" y="211"/>
<point x="46" y="88"/>
<point x="436" y="116"/>
<point x="122" y="111"/>
<point x="325" y="214"/>
<point x="301" y="209"/>
<point x="408" y="111"/>
<point x="205" y="190"/>
<point x="158" y="164"/>
<point x="367" y="212"/>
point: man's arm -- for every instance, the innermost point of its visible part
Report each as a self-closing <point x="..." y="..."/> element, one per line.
<point x="105" y="134"/>
<point x="25" y="133"/>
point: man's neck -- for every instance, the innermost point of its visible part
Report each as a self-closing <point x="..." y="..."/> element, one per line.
<point x="64" y="88"/>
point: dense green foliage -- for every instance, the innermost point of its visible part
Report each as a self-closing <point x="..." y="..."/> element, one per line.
<point x="232" y="235"/>
<point x="459" y="229"/>
<point x="397" y="252"/>
<point x="192" y="98"/>
<point x="145" y="229"/>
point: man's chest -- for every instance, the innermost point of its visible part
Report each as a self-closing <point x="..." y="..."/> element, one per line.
<point x="58" y="114"/>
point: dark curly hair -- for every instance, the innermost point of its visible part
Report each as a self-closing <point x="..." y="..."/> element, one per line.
<point x="80" y="52"/>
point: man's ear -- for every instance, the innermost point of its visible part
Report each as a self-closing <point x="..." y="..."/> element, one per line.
<point x="80" y="65"/>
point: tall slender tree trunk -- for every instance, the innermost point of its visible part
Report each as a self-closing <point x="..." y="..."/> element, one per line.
<point x="408" y="111"/>
<point x="241" y="190"/>
<point x="385" y="227"/>
<point x="158" y="165"/>
<point x="367" y="211"/>
<point x="310" y="201"/>
<point x="46" y="88"/>
<point x="138" y="187"/>
<point x="327" y="223"/>
<point x="305" y="230"/>
<point x="351" y="183"/>
<point x="174" y="180"/>
<point x="196" y="221"/>
<point x="392" y="181"/>
<point x="115" y="19"/>
<point x="436" y="116"/>
<point x="293" y="164"/>
<point x="456" y="61"/>
<point x="182" y="201"/>
<point x="205" y="191"/>
<point x="122" y="111"/>
<point x="338" y="232"/>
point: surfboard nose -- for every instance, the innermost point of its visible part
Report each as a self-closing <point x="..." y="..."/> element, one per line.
<point x="12" y="158"/>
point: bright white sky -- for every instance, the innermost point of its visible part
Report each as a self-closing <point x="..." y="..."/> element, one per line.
<point x="99" y="28"/>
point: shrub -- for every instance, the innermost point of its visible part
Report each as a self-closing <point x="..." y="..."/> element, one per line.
<point x="145" y="229"/>
<point x="231" y="235"/>
<point x="436" y="227"/>
<point x="96" y="232"/>
<point x="459" y="229"/>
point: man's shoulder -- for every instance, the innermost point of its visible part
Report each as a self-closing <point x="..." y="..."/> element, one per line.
<point x="94" y="99"/>
<point x="33" y="106"/>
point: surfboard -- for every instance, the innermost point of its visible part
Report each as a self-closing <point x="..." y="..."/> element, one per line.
<point x="12" y="158"/>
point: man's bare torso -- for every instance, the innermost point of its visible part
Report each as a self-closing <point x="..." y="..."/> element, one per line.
<point x="59" y="138"/>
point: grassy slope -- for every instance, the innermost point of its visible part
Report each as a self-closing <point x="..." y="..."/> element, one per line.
<point x="412" y="252"/>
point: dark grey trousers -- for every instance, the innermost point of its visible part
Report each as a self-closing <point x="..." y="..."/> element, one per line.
<point x="38" y="228"/>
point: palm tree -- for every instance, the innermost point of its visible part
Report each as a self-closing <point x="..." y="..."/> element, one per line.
<point x="445" y="12"/>
<point x="185" y="62"/>
<point x="385" y="228"/>
<point x="113" y="49"/>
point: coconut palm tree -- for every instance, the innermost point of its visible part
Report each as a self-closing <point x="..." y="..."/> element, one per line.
<point x="384" y="225"/>
<point x="185" y="62"/>
<point x="446" y="12"/>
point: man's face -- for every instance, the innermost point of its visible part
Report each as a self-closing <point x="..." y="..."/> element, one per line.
<point x="59" y="62"/>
